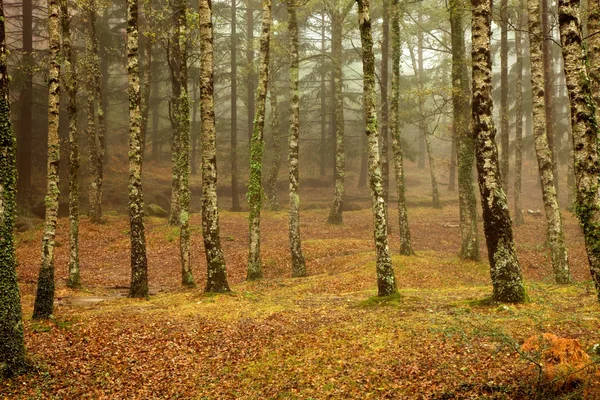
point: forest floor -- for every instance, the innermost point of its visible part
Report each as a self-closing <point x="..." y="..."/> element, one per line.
<point x="323" y="336"/>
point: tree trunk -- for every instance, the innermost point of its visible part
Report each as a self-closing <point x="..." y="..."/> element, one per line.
<point x="423" y="124"/>
<point x="585" y="132"/>
<point x="593" y="42"/>
<point x="95" y="132"/>
<point x="271" y="187"/>
<point x="386" y="281"/>
<point x="235" y="198"/>
<point x="12" y="348"/>
<point x="504" y="266"/>
<point x="519" y="116"/>
<point x="250" y="65"/>
<point x="176" y="62"/>
<point x="70" y="85"/>
<point x="385" y="117"/>
<point x="422" y="137"/>
<point x="504" y="133"/>
<point x="24" y="150"/>
<point x="44" y="300"/>
<point x="216" y="281"/>
<point x="298" y="262"/>
<point x="324" y="142"/>
<point x="335" y="214"/>
<point x="405" y="242"/>
<point x="469" y="248"/>
<point x="139" y="262"/>
<point x="146" y="43"/>
<point x="548" y="71"/>
<point x="556" y="238"/>
<point x="256" y="149"/>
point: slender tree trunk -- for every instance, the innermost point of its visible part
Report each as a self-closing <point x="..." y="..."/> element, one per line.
<point x="44" y="300"/>
<point x="548" y="73"/>
<point x="469" y="248"/>
<point x="385" y="116"/>
<point x="24" y="150"/>
<point x="504" y="133"/>
<point x="235" y="198"/>
<point x="254" y="195"/>
<point x="405" y="242"/>
<point x="556" y="238"/>
<point x="422" y="133"/>
<point x="504" y="266"/>
<point x="70" y="85"/>
<point x="298" y="262"/>
<point x="423" y="128"/>
<point x="386" y="281"/>
<point x="593" y="42"/>
<point x="95" y="132"/>
<point x="519" y="116"/>
<point x="250" y="85"/>
<point x="216" y="280"/>
<point x="585" y="132"/>
<point x="271" y="187"/>
<point x="139" y="262"/>
<point x="146" y="43"/>
<point x="12" y="347"/>
<point x="335" y="214"/>
<point x="324" y="142"/>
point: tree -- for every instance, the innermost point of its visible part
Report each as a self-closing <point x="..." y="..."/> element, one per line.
<point x="469" y="248"/>
<point x="385" y="115"/>
<point x="593" y="40"/>
<point x="518" y="215"/>
<point x="256" y="149"/>
<point x="504" y="133"/>
<point x="271" y="185"/>
<point x="556" y="238"/>
<point x="298" y="262"/>
<point x="235" y="199"/>
<point x="139" y="261"/>
<point x="44" y="299"/>
<point x="549" y="93"/>
<point x="585" y="132"/>
<point x="24" y="150"/>
<point x="337" y="18"/>
<point x="405" y="242"/>
<point x="504" y="266"/>
<point x="12" y="347"/>
<point x="216" y="280"/>
<point x="70" y="85"/>
<point x="386" y="281"/>
<point x="96" y="133"/>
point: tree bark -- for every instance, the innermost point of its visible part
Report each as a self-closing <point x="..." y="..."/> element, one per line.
<point x="585" y="132"/>
<point x="235" y="198"/>
<point x="139" y="262"/>
<point x="556" y="238"/>
<point x="405" y="241"/>
<point x="70" y="85"/>
<point x="44" y="299"/>
<point x="504" y="266"/>
<point x="12" y="347"/>
<point x="469" y="248"/>
<point x="256" y="149"/>
<point x="385" y="116"/>
<point x="24" y="150"/>
<point x="298" y="262"/>
<point x="324" y="142"/>
<point x="593" y="42"/>
<point x="216" y="281"/>
<point x="386" y="281"/>
<point x="504" y="133"/>
<point x="549" y="94"/>
<point x="335" y="214"/>
<point x="518" y="215"/>
<point x="271" y="186"/>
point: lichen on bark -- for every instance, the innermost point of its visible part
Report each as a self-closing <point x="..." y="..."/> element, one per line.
<point x="44" y="299"/>
<point x="12" y="347"/>
<point x="505" y="270"/>
<point x="386" y="280"/>
<point x="254" y="195"/>
<point x="216" y="280"/>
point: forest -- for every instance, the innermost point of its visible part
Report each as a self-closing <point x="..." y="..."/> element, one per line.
<point x="299" y="199"/>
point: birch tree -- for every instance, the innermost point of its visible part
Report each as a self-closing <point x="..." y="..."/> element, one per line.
<point x="44" y="299"/>
<point x="12" y="347"/>
<point x="298" y="262"/>
<point x="256" y="148"/>
<point x="386" y="281"/>
<point x="584" y="132"/>
<point x="216" y="280"/>
<point x="518" y="214"/>
<point x="505" y="270"/>
<point x="139" y="261"/>
<point x="556" y="238"/>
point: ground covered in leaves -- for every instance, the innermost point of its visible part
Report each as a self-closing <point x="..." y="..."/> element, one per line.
<point x="323" y="336"/>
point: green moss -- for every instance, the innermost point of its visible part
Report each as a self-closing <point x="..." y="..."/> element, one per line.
<point x="393" y="299"/>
